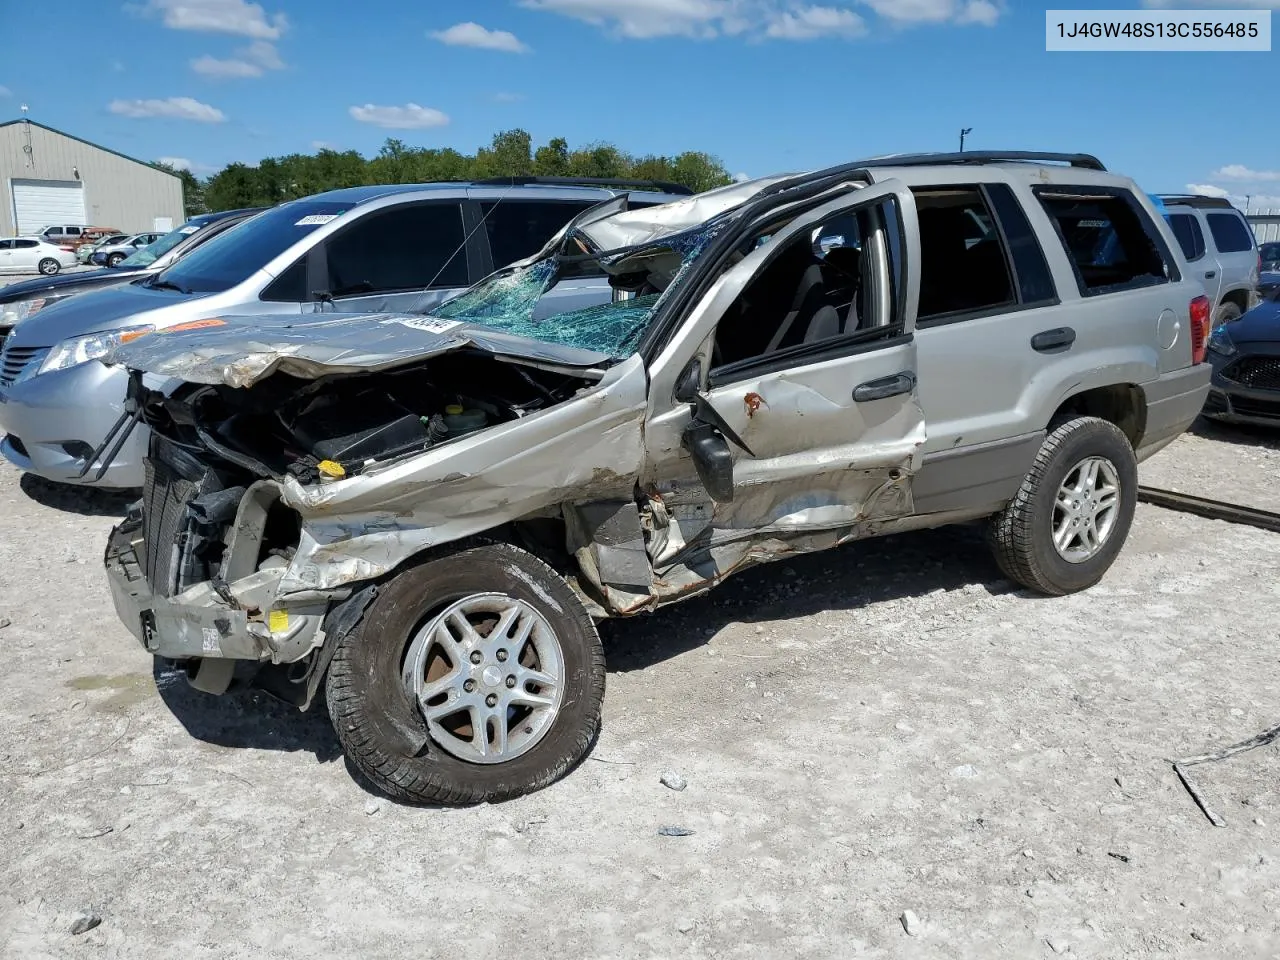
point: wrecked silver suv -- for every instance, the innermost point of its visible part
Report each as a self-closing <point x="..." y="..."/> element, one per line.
<point x="425" y="516"/>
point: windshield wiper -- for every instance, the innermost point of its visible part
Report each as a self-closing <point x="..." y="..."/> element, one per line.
<point x="167" y="285"/>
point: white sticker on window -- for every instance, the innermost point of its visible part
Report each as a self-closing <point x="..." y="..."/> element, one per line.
<point x="316" y="219"/>
<point x="188" y="230"/>
<point x="428" y="324"/>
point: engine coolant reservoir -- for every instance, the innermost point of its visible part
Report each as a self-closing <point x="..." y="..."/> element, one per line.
<point x="461" y="421"/>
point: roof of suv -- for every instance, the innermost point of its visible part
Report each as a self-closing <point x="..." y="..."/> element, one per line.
<point x="585" y="187"/>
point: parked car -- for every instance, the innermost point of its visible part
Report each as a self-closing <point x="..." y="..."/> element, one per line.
<point x="64" y="234"/>
<point x="1269" y="285"/>
<point x="114" y="254"/>
<point x="366" y="248"/>
<point x="32" y="255"/>
<point x="1220" y="247"/>
<point x="85" y="250"/>
<point x="21" y="300"/>
<point x="1246" y="368"/>
<point x="421" y="518"/>
<point x="1269" y="257"/>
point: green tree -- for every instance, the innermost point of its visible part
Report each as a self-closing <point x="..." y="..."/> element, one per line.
<point x="192" y="190"/>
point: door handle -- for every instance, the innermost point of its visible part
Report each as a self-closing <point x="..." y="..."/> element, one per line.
<point x="1050" y="340"/>
<point x="1211" y="274"/>
<point x="894" y="386"/>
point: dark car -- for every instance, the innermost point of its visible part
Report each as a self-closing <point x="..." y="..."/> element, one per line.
<point x="20" y="300"/>
<point x="1269" y="284"/>
<point x="1269" y="256"/>
<point x="1246" y="368"/>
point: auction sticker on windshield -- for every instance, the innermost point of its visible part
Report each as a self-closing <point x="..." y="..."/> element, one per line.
<point x="427" y="324"/>
<point x="316" y="219"/>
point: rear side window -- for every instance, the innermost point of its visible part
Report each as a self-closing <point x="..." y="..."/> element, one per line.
<point x="1190" y="237"/>
<point x="963" y="268"/>
<point x="1035" y="282"/>
<point x="1230" y="233"/>
<point x="406" y="248"/>
<point x="1111" y="243"/>
<point x="520" y="228"/>
<point x="290" y="286"/>
<point x="25" y="244"/>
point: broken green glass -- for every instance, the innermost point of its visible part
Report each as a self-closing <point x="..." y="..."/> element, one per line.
<point x="509" y="302"/>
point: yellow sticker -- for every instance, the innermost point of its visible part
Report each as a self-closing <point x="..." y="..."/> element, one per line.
<point x="278" y="621"/>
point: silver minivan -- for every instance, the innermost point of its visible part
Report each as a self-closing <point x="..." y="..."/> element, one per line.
<point x="362" y="250"/>
<point x="1221" y="250"/>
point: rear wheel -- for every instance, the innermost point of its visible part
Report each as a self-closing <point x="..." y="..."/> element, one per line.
<point x="1069" y="520"/>
<point x="1226" y="312"/>
<point x="48" y="266"/>
<point x="474" y="677"/>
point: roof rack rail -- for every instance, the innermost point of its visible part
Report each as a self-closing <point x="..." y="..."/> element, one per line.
<point x="1196" y="200"/>
<point x="1082" y="160"/>
<point x="664" y="186"/>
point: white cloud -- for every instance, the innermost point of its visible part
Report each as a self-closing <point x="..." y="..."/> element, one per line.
<point x="237" y="17"/>
<point x="1207" y="190"/>
<point x="503" y="96"/>
<point x="741" y="177"/>
<point x="1237" y="171"/>
<point x="251" y="61"/>
<point x="174" y="108"/>
<point x="812" y="23"/>
<point x="780" y="19"/>
<point x="178" y="163"/>
<point x="474" y="35"/>
<point x="1245" y="201"/>
<point x="409" y="117"/>
<point x="907" y="12"/>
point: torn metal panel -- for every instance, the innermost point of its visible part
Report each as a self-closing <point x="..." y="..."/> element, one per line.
<point x="363" y="527"/>
<point x="245" y="350"/>
<point x="608" y="542"/>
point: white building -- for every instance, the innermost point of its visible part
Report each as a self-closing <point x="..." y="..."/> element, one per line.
<point x="49" y="177"/>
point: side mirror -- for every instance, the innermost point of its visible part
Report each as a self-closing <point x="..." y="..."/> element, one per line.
<point x="690" y="383"/>
<point x="711" y="458"/>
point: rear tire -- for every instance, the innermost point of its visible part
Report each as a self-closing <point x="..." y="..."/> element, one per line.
<point x="1053" y="497"/>
<point x="49" y="266"/>
<point x="381" y="677"/>
<point x="1227" y="312"/>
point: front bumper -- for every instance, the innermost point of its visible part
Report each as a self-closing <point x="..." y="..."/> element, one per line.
<point x="56" y="420"/>
<point x="1234" y="402"/>
<point x="235" y="621"/>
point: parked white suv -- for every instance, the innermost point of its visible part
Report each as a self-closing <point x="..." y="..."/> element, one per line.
<point x="1220" y="249"/>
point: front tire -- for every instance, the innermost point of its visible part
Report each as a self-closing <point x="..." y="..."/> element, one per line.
<point x="1066" y="525"/>
<point x="474" y="677"/>
<point x="49" y="266"/>
<point x="115" y="259"/>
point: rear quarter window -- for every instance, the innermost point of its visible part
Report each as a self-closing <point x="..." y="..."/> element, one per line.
<point x="1230" y="233"/>
<point x="1110" y="241"/>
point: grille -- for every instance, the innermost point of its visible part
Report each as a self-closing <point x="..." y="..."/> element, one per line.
<point x="1261" y="373"/>
<point x="164" y="510"/>
<point x="13" y="360"/>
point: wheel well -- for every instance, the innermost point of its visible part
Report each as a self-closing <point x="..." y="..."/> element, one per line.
<point x="1121" y="403"/>
<point x="1239" y="297"/>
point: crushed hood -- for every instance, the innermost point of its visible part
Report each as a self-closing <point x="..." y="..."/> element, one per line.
<point x="240" y="351"/>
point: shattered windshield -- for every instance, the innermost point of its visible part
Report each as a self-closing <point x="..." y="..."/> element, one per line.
<point x="526" y="302"/>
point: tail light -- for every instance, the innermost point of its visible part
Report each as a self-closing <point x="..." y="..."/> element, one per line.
<point x="1199" y="328"/>
<point x="67" y="249"/>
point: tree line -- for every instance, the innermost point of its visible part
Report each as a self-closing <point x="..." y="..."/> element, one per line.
<point x="511" y="154"/>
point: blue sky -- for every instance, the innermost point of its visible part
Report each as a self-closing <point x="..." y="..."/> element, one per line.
<point x="767" y="85"/>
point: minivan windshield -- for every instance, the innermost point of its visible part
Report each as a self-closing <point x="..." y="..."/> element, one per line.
<point x="154" y="251"/>
<point x="235" y="255"/>
<point x="516" y="301"/>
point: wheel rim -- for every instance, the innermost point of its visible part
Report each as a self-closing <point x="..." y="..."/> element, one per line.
<point x="48" y="266"/>
<point x="487" y="673"/>
<point x="1086" y="509"/>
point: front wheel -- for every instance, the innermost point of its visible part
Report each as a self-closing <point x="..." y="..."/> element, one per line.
<point x="49" y="266"/>
<point x="1066" y="525"/>
<point x="115" y="259"/>
<point x="474" y="677"/>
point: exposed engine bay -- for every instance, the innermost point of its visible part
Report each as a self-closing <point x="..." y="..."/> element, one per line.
<point x="340" y="426"/>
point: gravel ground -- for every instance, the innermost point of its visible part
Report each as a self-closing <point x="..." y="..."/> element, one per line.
<point x="888" y="727"/>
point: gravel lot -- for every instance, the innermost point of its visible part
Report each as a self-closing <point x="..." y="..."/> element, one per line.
<point x="889" y="727"/>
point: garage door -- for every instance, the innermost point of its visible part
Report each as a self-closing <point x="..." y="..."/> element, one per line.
<point x="41" y="203"/>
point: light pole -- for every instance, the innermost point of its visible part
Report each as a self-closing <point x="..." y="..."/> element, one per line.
<point x="964" y="132"/>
